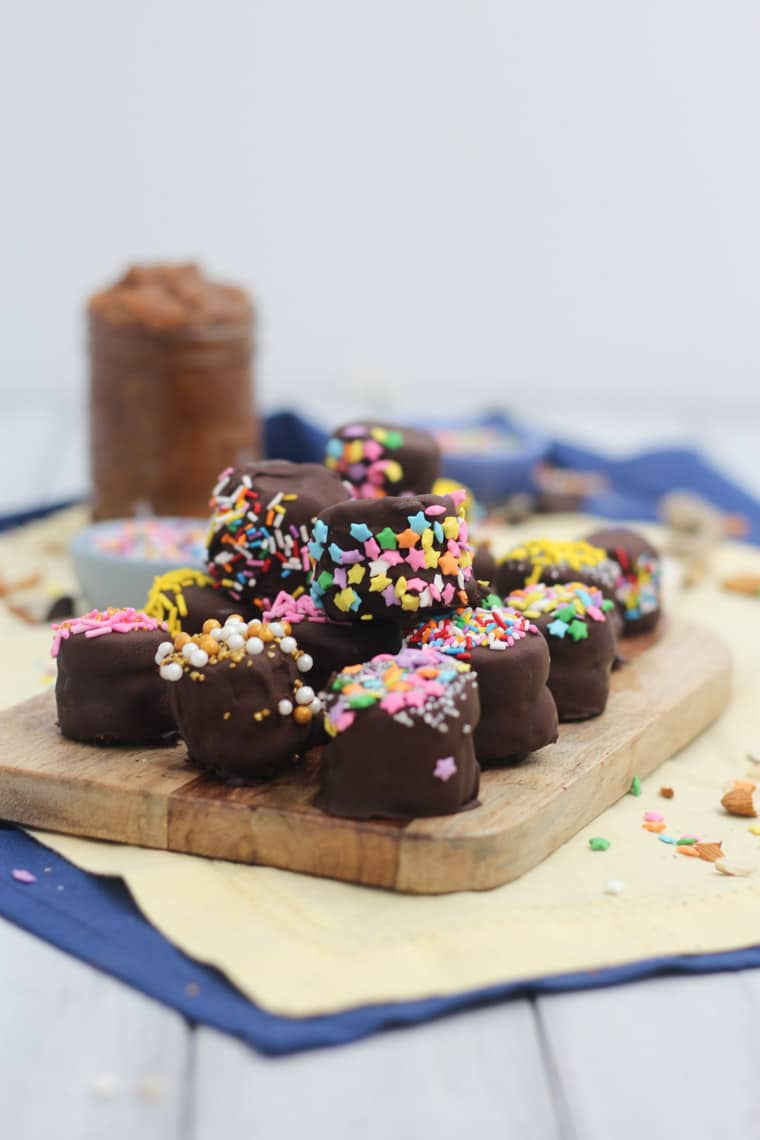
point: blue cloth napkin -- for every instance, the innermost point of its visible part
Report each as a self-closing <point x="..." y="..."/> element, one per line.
<point x="636" y="484"/>
<point x="96" y="919"/>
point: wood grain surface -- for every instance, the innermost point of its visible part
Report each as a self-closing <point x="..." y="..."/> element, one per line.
<point x="669" y="690"/>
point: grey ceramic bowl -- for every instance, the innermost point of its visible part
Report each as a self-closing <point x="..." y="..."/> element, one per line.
<point x="110" y="577"/>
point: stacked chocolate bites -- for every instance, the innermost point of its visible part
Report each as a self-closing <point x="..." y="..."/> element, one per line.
<point x="408" y="560"/>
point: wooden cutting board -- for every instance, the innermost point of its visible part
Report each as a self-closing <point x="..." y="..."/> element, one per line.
<point x="669" y="690"/>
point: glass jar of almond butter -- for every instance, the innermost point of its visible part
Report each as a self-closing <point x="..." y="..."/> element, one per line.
<point x="171" y="390"/>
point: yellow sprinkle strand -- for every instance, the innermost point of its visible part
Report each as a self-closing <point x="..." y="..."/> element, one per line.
<point x="542" y="552"/>
<point x="166" y="601"/>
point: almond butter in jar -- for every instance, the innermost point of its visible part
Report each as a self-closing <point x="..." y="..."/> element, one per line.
<point x="171" y="390"/>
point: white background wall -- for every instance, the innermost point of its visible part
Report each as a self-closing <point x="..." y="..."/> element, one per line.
<point x="549" y="205"/>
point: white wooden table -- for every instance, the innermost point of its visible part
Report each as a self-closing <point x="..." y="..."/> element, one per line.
<point x="87" y="1058"/>
<point x="84" y="1057"/>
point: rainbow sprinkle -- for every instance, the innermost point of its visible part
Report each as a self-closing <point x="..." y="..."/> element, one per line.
<point x="638" y="584"/>
<point x="571" y="605"/>
<point x="254" y="535"/>
<point x="424" y="563"/>
<point x="364" y="456"/>
<point x="415" y="684"/>
<point x="472" y="628"/>
<point x="154" y="540"/>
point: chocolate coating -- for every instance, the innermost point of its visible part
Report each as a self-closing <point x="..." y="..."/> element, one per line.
<point x="108" y="692"/>
<point x="579" y="678"/>
<point x="333" y="645"/>
<point x="511" y="661"/>
<point x="391" y="558"/>
<point x="519" y="715"/>
<point x="578" y="624"/>
<point x="638" y="587"/>
<point x="384" y="764"/>
<point x="484" y="564"/>
<point x="381" y="459"/>
<point x="229" y="713"/>
<point x="251" y="553"/>
<point x="205" y="602"/>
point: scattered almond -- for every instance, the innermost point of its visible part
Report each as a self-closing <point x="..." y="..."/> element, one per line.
<point x="667" y="793"/>
<point x="742" y="584"/>
<point x="750" y="784"/>
<point x="740" y="800"/>
<point x="710" y="852"/>
<point x="736" y="869"/>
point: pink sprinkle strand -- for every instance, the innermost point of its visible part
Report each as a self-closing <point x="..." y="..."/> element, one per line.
<point x="21" y="875"/>
<point x="287" y="608"/>
<point x="653" y="816"/>
<point x="99" y="622"/>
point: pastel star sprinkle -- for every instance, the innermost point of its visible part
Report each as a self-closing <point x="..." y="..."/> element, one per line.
<point x="445" y="768"/>
<point x="418" y="522"/>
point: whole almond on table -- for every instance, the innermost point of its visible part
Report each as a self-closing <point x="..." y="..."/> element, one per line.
<point x="740" y="798"/>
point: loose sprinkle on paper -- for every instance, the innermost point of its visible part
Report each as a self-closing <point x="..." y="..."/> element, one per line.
<point x="738" y="870"/>
<point x="21" y="875"/>
<point x="635" y="788"/>
<point x="598" y="843"/>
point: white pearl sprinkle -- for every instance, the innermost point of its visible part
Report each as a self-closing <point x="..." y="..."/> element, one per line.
<point x="236" y="627"/>
<point x="288" y="645"/>
<point x="199" y="659"/>
<point x="235" y="641"/>
<point x="163" y="650"/>
<point x="276" y="628"/>
<point x="188" y="649"/>
<point x="253" y="646"/>
<point x="305" y="695"/>
<point x="316" y="706"/>
<point x="172" y="671"/>
<point x="614" y="887"/>
<point x="305" y="662"/>
<point x="217" y="633"/>
<point x="285" y="708"/>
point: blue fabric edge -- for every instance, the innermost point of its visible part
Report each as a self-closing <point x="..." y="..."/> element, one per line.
<point x="106" y="929"/>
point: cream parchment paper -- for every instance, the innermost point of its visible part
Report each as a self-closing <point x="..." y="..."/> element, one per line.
<point x="299" y="945"/>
